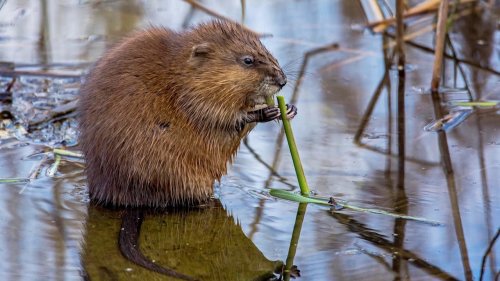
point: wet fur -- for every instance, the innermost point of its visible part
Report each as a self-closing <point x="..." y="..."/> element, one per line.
<point x="162" y="113"/>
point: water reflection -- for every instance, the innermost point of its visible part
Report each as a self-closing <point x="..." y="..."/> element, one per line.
<point x="205" y="243"/>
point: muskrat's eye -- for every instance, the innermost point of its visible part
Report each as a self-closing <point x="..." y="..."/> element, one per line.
<point x="248" y="60"/>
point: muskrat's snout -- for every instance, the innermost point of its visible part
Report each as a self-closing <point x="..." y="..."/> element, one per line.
<point x="280" y="79"/>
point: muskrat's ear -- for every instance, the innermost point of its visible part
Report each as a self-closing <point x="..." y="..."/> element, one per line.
<point x="201" y="50"/>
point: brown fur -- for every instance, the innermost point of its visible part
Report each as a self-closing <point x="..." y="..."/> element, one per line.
<point x="162" y="113"/>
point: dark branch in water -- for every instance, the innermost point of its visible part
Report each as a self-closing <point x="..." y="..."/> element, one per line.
<point x="11" y="84"/>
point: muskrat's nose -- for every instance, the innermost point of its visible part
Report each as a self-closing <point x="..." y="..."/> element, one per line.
<point x="281" y="80"/>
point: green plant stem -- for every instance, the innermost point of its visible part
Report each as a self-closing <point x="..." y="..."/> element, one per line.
<point x="69" y="153"/>
<point x="304" y="188"/>
<point x="476" y="103"/>
<point x="283" y="194"/>
<point x="270" y="101"/>
<point x="51" y="172"/>
<point x="15" y="180"/>
<point x="287" y="195"/>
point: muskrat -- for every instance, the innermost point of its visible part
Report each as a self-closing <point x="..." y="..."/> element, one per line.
<point x="163" y="112"/>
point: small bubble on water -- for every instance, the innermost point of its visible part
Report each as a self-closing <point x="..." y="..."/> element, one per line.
<point x="128" y="269"/>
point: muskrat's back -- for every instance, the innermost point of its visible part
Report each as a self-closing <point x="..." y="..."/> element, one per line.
<point x="162" y="112"/>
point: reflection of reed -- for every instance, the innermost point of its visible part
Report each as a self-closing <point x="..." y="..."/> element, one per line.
<point x="484" y="180"/>
<point x="387" y="61"/>
<point x="385" y="81"/>
<point x="57" y="217"/>
<point x="401" y="92"/>
<point x="371" y="106"/>
<point x="442" y="138"/>
<point x="483" y="29"/>
<point x="452" y="192"/>
<point x="259" y="211"/>
<point x="289" y="270"/>
<point x="382" y="242"/>
<point x="401" y="202"/>
<point x="270" y="168"/>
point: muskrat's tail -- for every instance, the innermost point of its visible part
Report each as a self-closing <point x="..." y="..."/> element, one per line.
<point x="128" y="242"/>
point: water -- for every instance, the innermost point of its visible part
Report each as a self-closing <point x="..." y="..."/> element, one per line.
<point x="49" y="231"/>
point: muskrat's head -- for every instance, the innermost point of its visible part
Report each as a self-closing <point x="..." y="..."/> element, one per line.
<point x="234" y="66"/>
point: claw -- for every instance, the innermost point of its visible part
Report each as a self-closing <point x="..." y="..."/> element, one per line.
<point x="291" y="111"/>
<point x="271" y="113"/>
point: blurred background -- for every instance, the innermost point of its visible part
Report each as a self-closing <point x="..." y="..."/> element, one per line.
<point x="369" y="131"/>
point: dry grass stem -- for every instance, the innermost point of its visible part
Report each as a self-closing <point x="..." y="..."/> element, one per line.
<point x="440" y="42"/>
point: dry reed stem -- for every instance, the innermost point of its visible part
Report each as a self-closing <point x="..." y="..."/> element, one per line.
<point x="440" y="40"/>
<point x="423" y="8"/>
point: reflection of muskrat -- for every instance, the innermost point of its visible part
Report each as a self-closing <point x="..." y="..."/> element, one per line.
<point x="163" y="112"/>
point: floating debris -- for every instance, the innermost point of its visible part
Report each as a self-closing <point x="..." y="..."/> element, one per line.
<point x="449" y="121"/>
<point x="475" y="103"/>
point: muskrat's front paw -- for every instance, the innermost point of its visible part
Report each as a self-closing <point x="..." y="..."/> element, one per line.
<point x="271" y="113"/>
<point x="264" y="115"/>
<point x="291" y="111"/>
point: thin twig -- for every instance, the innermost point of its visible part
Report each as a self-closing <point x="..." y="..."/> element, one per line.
<point x="269" y="167"/>
<point x="201" y="7"/>
<point x="11" y="84"/>
<point x="14" y="73"/>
